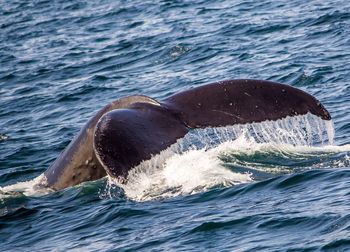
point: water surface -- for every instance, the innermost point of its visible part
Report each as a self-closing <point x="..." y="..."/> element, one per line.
<point x="61" y="61"/>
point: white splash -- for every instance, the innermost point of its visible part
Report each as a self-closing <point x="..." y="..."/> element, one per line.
<point x="3" y="137"/>
<point x="180" y="173"/>
<point x="34" y="187"/>
<point x="194" y="163"/>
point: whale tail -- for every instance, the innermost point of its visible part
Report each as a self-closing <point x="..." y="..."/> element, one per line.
<point x="125" y="137"/>
<point x="242" y="101"/>
<point x="78" y="162"/>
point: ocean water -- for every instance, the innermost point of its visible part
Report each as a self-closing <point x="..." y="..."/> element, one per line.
<point x="275" y="186"/>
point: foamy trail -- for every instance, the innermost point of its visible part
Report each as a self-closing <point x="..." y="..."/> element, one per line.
<point x="199" y="160"/>
<point x="34" y="187"/>
<point x="181" y="173"/>
<point x="201" y="169"/>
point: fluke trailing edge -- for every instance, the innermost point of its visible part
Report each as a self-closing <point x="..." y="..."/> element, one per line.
<point x="132" y="129"/>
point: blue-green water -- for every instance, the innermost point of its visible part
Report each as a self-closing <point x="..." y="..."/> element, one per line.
<point x="61" y="61"/>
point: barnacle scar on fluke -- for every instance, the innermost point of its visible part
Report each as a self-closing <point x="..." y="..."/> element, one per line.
<point x="133" y="129"/>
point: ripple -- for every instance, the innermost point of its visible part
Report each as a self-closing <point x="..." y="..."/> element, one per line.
<point x="212" y="226"/>
<point x="334" y="17"/>
<point x="339" y="244"/>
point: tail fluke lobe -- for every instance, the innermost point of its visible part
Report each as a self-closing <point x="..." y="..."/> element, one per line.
<point x="242" y="101"/>
<point x="78" y="162"/>
<point x="126" y="137"/>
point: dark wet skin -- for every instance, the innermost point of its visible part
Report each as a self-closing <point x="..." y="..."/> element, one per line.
<point x="132" y="129"/>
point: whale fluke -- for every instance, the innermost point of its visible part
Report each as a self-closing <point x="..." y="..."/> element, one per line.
<point x="242" y="101"/>
<point x="133" y="129"/>
<point x="126" y="137"/>
<point x="78" y="162"/>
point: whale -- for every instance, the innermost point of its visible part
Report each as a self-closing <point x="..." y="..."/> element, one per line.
<point x="133" y="129"/>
